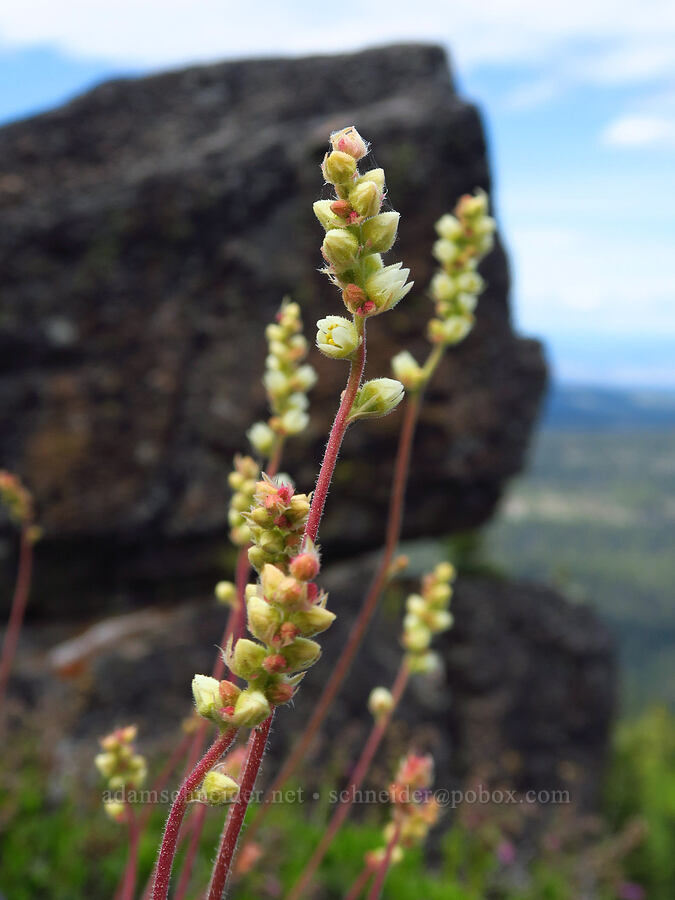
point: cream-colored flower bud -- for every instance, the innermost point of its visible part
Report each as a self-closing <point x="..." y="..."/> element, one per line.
<point x="325" y="215"/>
<point x="417" y="638"/>
<point x="387" y="286"/>
<point x="409" y="373"/>
<point x="450" y="331"/>
<point x="380" y="702"/>
<point x="466" y="303"/>
<point x="106" y="763"/>
<point x="473" y="206"/>
<point x="449" y="227"/>
<point x="446" y="252"/>
<point x="439" y="594"/>
<point x="263" y="620"/>
<point x="416" y="605"/>
<point x="217" y="789"/>
<point x="313" y="620"/>
<point x="341" y="249"/>
<point x="271" y="579"/>
<point x="337" y="337"/>
<point x="428" y="663"/>
<point x="470" y="282"/>
<point x="376" y="398"/>
<point x="305" y="378"/>
<point x="246" y="658"/>
<point x="206" y="693"/>
<point x="379" y="233"/>
<point x="115" y="810"/>
<point x="366" y="198"/>
<point x="348" y="140"/>
<point x="251" y="708"/>
<point x="338" y="167"/>
<point x="262" y="438"/>
<point x="301" y="654"/>
<point x="226" y="593"/>
<point x="294" y="421"/>
<point x="439" y="620"/>
<point x="443" y="287"/>
<point x="374" y="175"/>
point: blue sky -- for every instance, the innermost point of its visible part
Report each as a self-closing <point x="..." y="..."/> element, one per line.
<point x="579" y="101"/>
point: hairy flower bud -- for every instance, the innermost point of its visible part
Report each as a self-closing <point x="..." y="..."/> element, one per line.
<point x="206" y="693"/>
<point x="366" y="198"/>
<point x="250" y="710"/>
<point x="305" y="566"/>
<point x="348" y="140"/>
<point x="338" y="167"/>
<point x="376" y="398"/>
<point x="313" y="620"/>
<point x="340" y="247"/>
<point x="246" y="658"/>
<point x="379" y="233"/>
<point x="302" y="654"/>
<point x="327" y="216"/>
<point x="449" y="227"/>
<point x="449" y="331"/>
<point x="263" y="620"/>
<point x="374" y="175"/>
<point x="337" y="337"/>
<point x="217" y="789"/>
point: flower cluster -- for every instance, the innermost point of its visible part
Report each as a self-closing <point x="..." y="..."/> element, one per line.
<point x="287" y="380"/>
<point x="357" y="233"/>
<point x="121" y="766"/>
<point x="285" y="609"/>
<point x="276" y="523"/>
<point x="463" y="240"/>
<point x="242" y="480"/>
<point x="415" y="810"/>
<point x="427" y="614"/>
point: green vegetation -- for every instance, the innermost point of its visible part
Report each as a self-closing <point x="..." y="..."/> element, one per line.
<point x="594" y="515"/>
<point x="58" y="845"/>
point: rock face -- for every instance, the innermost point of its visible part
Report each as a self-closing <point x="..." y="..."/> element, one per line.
<point x="150" y="229"/>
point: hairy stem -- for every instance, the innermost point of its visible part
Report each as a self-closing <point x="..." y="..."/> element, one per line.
<point x="383" y="868"/>
<point x="256" y="750"/>
<point x="360" y="771"/>
<point x="335" y="438"/>
<point x="18" y="609"/>
<point x="167" y="851"/>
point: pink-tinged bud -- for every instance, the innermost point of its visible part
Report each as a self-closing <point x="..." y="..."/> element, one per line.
<point x="275" y="663"/>
<point x="341" y="208"/>
<point x="280" y="693"/>
<point x="305" y="566"/>
<point x="353" y="297"/>
<point x="288" y="633"/>
<point x="229" y="692"/>
<point x="247" y="857"/>
<point x="348" y="140"/>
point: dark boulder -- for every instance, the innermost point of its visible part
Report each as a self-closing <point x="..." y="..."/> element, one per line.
<point x="150" y="229"/>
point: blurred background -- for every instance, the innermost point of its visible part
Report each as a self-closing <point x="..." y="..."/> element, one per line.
<point x="158" y="162"/>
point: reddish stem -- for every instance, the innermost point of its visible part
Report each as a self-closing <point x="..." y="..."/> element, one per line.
<point x="129" y="882"/>
<point x="383" y="868"/>
<point x="361" y="769"/>
<point x="358" y="629"/>
<point x="18" y="609"/>
<point x="198" y="819"/>
<point x="256" y="750"/>
<point x="167" y="851"/>
<point x="335" y="438"/>
<point x="359" y="884"/>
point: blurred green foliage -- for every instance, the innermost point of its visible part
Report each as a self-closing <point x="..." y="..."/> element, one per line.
<point x="57" y="844"/>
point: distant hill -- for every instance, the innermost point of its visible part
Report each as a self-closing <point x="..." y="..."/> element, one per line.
<point x="586" y="408"/>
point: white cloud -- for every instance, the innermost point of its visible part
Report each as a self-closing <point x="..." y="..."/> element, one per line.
<point x="640" y="131"/>
<point x="623" y="34"/>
